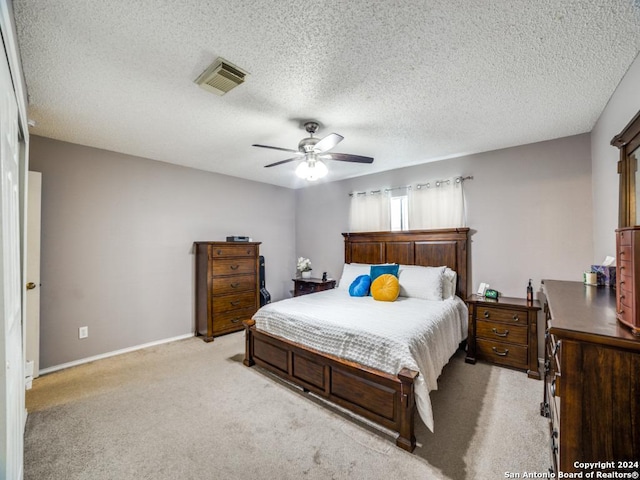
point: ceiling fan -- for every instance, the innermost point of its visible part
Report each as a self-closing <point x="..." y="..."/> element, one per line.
<point x="313" y="151"/>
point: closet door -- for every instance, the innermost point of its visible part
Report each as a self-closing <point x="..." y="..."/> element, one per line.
<point x="12" y="411"/>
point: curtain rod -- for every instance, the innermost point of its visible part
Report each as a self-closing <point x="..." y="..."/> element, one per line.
<point x="437" y="183"/>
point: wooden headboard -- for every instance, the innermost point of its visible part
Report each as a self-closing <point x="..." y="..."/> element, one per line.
<point x="429" y="248"/>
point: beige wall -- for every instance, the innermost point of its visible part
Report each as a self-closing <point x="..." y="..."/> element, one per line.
<point x="117" y="235"/>
<point x="118" y="230"/>
<point x="529" y="208"/>
<point x="622" y="106"/>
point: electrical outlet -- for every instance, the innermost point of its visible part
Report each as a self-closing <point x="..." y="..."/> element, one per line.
<point x="83" y="332"/>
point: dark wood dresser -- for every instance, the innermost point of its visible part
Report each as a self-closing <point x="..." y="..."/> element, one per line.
<point x="304" y="286"/>
<point x="227" y="286"/>
<point x="504" y="332"/>
<point x="592" y="379"/>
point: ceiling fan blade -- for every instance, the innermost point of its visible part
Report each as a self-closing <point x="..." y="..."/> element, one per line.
<point x="328" y="142"/>
<point x="282" y="161"/>
<point x="345" y="157"/>
<point x="275" y="148"/>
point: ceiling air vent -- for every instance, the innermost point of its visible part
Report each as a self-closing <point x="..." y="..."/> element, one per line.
<point x="221" y="77"/>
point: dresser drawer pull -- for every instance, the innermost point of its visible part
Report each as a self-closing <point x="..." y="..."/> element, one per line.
<point x="500" y="334"/>
<point x="486" y="314"/>
<point x="235" y="285"/>
<point x="515" y="317"/>
<point x="502" y="354"/>
<point x="234" y="267"/>
<point x="219" y="252"/>
<point x="236" y="320"/>
<point x="237" y="302"/>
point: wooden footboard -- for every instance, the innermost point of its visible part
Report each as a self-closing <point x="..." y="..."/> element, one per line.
<point x="385" y="399"/>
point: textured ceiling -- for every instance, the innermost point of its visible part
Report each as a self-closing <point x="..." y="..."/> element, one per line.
<point x="406" y="82"/>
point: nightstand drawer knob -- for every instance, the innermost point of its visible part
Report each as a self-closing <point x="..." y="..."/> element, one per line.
<point x="234" y="267"/>
<point x="500" y="334"/>
<point x="486" y="314"/>
<point x="515" y="317"/>
<point x="498" y="352"/>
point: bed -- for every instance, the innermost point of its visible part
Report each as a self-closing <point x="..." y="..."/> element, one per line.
<point x="386" y="394"/>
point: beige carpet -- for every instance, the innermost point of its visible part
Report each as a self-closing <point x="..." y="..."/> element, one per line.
<point x="191" y="410"/>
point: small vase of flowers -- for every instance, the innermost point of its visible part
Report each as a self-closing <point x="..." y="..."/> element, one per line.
<point x="304" y="267"/>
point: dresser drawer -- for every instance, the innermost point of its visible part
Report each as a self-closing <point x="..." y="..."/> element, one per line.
<point x="233" y="266"/>
<point x="503" y="353"/>
<point x="501" y="332"/>
<point x="517" y="317"/>
<point x="232" y="320"/>
<point x="224" y="285"/>
<point x="625" y="268"/>
<point x="625" y="237"/>
<point x="224" y="303"/>
<point x="222" y="251"/>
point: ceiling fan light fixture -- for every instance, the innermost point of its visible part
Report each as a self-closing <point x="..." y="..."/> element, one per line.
<point x="311" y="170"/>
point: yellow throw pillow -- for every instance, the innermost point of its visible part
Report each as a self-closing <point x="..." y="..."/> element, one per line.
<point x="385" y="288"/>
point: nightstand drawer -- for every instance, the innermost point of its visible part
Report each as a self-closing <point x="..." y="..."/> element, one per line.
<point x="311" y="285"/>
<point x="518" y="317"/>
<point x="501" y="332"/>
<point x="503" y="353"/>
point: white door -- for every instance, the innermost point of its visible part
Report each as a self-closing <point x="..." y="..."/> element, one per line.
<point x="11" y="355"/>
<point x="32" y="313"/>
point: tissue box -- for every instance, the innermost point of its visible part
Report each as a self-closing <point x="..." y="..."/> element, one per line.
<point x="606" y="275"/>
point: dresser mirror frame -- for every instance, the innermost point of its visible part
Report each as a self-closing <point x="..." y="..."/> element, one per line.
<point x="628" y="141"/>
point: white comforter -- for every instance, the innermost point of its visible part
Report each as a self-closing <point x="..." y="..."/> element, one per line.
<point x="418" y="334"/>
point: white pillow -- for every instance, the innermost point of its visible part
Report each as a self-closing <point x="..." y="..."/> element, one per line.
<point x="449" y="283"/>
<point x="350" y="272"/>
<point x="421" y="282"/>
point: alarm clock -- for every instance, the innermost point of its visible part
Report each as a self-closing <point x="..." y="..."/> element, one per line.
<point x="489" y="293"/>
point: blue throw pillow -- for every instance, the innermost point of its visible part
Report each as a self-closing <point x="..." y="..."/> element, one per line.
<point x="360" y="286"/>
<point x="377" y="270"/>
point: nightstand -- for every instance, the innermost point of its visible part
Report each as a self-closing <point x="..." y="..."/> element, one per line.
<point x="504" y="332"/>
<point x="304" y="286"/>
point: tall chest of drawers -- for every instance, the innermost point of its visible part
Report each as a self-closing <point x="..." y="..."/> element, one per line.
<point x="591" y="379"/>
<point x="227" y="286"/>
<point x="628" y="277"/>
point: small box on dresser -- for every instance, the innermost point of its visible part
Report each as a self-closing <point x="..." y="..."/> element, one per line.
<point x="504" y="332"/>
<point x="227" y="286"/>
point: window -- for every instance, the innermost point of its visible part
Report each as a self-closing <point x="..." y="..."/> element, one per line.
<point x="439" y="204"/>
<point x="399" y="213"/>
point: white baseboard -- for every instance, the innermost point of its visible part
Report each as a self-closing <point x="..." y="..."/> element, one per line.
<point x="55" y="368"/>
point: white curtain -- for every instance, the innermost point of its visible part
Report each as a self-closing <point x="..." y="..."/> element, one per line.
<point x="437" y="206"/>
<point x="369" y="212"/>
